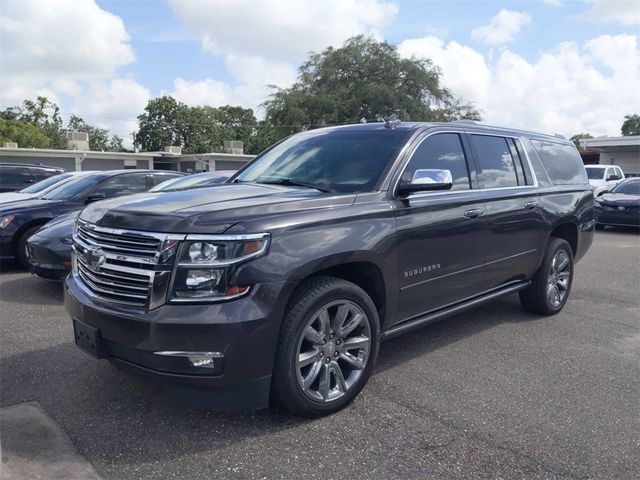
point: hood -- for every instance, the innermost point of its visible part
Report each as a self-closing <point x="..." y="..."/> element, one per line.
<point x="619" y="199"/>
<point x="10" y="197"/>
<point x="207" y="210"/>
<point x="57" y="229"/>
<point x="30" y="204"/>
<point x="596" y="182"/>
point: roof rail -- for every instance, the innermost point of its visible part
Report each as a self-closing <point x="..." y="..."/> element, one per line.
<point x="473" y="122"/>
<point x="559" y="136"/>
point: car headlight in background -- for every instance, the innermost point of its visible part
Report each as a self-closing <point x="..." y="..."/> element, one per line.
<point x="206" y="264"/>
<point x="6" y="221"/>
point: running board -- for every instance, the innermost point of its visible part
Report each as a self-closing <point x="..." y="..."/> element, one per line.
<point x="448" y="311"/>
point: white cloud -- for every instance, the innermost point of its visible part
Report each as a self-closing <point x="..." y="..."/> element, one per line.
<point x="66" y="41"/>
<point x="570" y="89"/>
<point x="624" y="12"/>
<point x="70" y="52"/>
<point x="503" y="27"/>
<point x="262" y="43"/>
<point x="113" y="105"/>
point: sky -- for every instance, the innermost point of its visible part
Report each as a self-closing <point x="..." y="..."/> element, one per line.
<point x="557" y="66"/>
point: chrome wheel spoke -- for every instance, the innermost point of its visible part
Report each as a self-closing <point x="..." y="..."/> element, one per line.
<point x="306" y="358"/>
<point x="356" y="342"/>
<point x="340" y="317"/>
<point x="325" y="382"/>
<point x="325" y="322"/>
<point x="341" y="383"/>
<point x="564" y="276"/>
<point x="562" y="262"/>
<point x="354" y="362"/>
<point x="553" y="294"/>
<point x="312" y="375"/>
<point x="312" y="336"/>
<point x="351" y="325"/>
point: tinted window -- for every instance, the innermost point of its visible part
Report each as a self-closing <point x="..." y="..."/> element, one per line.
<point x="444" y="152"/>
<point x="122" y="185"/>
<point x="41" y="174"/>
<point x="562" y="161"/>
<point x="345" y="160"/>
<point x="43" y="184"/>
<point x="73" y="187"/>
<point x="495" y="163"/>
<point x="627" y="188"/>
<point x="158" y="178"/>
<point x="15" y="175"/>
<point x="595" y="173"/>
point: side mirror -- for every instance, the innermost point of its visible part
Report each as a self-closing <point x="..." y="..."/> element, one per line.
<point x="426" y="180"/>
<point x="95" y="197"/>
<point x="613" y="177"/>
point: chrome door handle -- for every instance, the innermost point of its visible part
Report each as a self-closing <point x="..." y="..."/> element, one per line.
<point x="473" y="213"/>
<point x="531" y="204"/>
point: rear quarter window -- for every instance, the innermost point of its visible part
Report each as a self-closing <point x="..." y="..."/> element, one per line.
<point x="562" y="162"/>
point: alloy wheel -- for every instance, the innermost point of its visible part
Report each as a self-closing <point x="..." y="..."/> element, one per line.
<point x="333" y="350"/>
<point x="558" y="278"/>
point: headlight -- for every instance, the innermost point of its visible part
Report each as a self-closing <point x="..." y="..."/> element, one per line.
<point x="207" y="263"/>
<point x="6" y="221"/>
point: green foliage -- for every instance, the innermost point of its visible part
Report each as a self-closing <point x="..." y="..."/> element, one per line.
<point x="24" y="134"/>
<point x="99" y="138"/>
<point x="37" y="124"/>
<point x="580" y="136"/>
<point x="631" y="125"/>
<point x="167" y="121"/>
<point x="364" y="79"/>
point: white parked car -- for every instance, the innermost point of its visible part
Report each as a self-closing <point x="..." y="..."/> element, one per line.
<point x="604" y="177"/>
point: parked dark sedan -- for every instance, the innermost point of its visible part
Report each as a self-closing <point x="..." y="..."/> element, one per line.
<point x="38" y="189"/>
<point x="16" y="176"/>
<point x="621" y="206"/>
<point x="49" y="249"/>
<point x="20" y="220"/>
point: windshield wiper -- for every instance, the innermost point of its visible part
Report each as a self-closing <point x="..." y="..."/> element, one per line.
<point x="298" y="183"/>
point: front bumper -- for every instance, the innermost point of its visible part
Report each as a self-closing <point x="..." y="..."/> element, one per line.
<point x="607" y="215"/>
<point x="49" y="259"/>
<point x="244" y="332"/>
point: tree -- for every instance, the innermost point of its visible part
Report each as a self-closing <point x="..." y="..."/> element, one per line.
<point x="631" y="125"/>
<point x="26" y="135"/>
<point x="99" y="138"/>
<point x="200" y="129"/>
<point x="580" y="136"/>
<point x="44" y="116"/>
<point x="363" y="79"/>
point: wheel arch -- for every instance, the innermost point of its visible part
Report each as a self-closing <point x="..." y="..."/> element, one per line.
<point x="567" y="230"/>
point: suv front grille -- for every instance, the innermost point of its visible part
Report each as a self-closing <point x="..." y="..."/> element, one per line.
<point x="121" y="266"/>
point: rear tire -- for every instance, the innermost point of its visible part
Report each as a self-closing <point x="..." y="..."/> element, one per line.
<point x="327" y="347"/>
<point x="21" y="247"/>
<point x="551" y="285"/>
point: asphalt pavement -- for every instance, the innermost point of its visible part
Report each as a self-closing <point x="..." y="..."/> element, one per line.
<point x="492" y="393"/>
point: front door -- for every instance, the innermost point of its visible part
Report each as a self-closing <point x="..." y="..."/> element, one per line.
<point x="440" y="235"/>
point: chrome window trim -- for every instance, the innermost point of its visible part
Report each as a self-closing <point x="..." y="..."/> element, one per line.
<point x="470" y="190"/>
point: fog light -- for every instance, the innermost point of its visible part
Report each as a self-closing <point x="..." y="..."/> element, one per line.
<point x="195" y="359"/>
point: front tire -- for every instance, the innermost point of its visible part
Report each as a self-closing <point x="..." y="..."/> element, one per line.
<point x="551" y="284"/>
<point x="327" y="348"/>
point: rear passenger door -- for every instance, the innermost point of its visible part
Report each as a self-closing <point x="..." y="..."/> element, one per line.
<point x="514" y="218"/>
<point x="15" y="178"/>
<point x="440" y="235"/>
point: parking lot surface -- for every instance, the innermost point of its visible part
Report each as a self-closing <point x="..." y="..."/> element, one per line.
<point x="492" y="393"/>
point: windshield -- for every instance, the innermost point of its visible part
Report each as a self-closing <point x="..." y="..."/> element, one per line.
<point x="46" y="183"/>
<point x="197" y="179"/>
<point x="74" y="187"/>
<point x="595" y="173"/>
<point x="342" y="160"/>
<point x="627" y="188"/>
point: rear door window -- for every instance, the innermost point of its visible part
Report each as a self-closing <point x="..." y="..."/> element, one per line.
<point x="496" y="165"/>
<point x="122" y="185"/>
<point x="562" y="161"/>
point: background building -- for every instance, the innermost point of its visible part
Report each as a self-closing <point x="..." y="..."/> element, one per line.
<point x="621" y="151"/>
<point x="78" y="157"/>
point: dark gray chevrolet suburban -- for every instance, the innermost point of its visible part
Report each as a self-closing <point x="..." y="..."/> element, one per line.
<point x="281" y="283"/>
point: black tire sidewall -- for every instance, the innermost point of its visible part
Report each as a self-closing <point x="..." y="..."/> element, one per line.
<point x="289" y="392"/>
